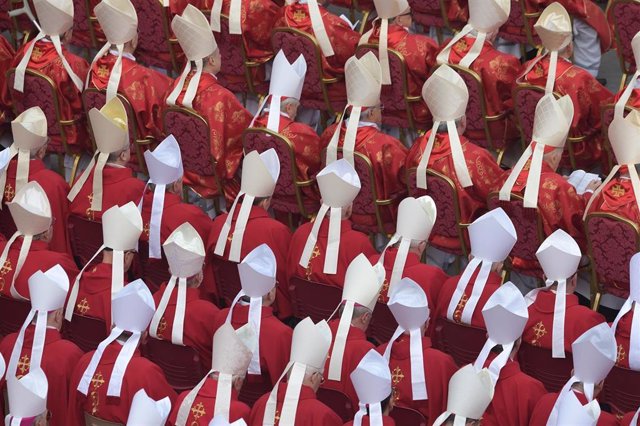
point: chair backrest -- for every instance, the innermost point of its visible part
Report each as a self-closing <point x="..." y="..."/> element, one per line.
<point x="621" y="390"/>
<point x="7" y="225"/>
<point x="612" y="241"/>
<point x="155" y="272"/>
<point x="463" y="342"/>
<point x="12" y="314"/>
<point x="231" y="50"/>
<point x="86" y="238"/>
<point x="623" y="13"/>
<point x="85" y="332"/>
<point x="181" y="364"/>
<point x="338" y="402"/>
<point x="538" y="362"/>
<point x="407" y="416"/>
<point x="227" y="279"/>
<point x="153" y="28"/>
<point x="90" y="420"/>
<point x="528" y="224"/>
<point x="525" y="99"/>
<point x="41" y="91"/>
<point x="383" y="324"/>
<point x="314" y="299"/>
<point x="254" y="387"/>
<point x="294" y="43"/>
<point x="393" y="95"/>
<point x="513" y="29"/>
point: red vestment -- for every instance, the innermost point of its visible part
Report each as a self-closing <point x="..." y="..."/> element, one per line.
<point x="344" y="40"/>
<point x="626" y="419"/>
<point x="174" y="214"/>
<point x="617" y="197"/>
<point x="577" y="320"/>
<point x="39" y="258"/>
<point x="514" y="399"/>
<point x="45" y="60"/>
<point x="587" y="95"/>
<point x="428" y="277"/>
<point x="7" y="54"/>
<point x="386" y="421"/>
<point x="623" y="336"/>
<point x="545" y="405"/>
<point x="140" y="374"/>
<point x="483" y="170"/>
<point x="367" y="5"/>
<point x="387" y="156"/>
<point x="438" y="369"/>
<point x="143" y="88"/>
<point x="261" y="229"/>
<point x="498" y="72"/>
<point x="198" y="318"/>
<point x="119" y="187"/>
<point x="352" y="243"/>
<point x="59" y="357"/>
<point x="634" y="99"/>
<point x="56" y="189"/>
<point x="448" y="289"/>
<point x="419" y="53"/>
<point x="355" y="349"/>
<point x="310" y="412"/>
<point x="94" y="294"/>
<point x="275" y="338"/>
<point x="227" y="119"/>
<point x="201" y="411"/>
<point x="306" y="145"/>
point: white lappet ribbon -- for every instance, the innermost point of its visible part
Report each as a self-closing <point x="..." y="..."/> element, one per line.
<point x="349" y="142"/>
<point x="192" y="88"/>
<point x="155" y="224"/>
<point x="634" y="421"/>
<point x="634" y="342"/>
<point x="478" y="287"/>
<point x="383" y="48"/>
<point x="22" y="171"/>
<point x="120" y="366"/>
<point x="22" y="257"/>
<point x="457" y="420"/>
<point x="99" y="160"/>
<point x="472" y="54"/>
<point x="375" y="414"/>
<point x="418" y="381"/>
<point x="498" y="362"/>
<point x="255" y="320"/>
<point x="37" y="346"/>
<point x="340" y="342"/>
<point x="178" y="318"/>
<point x="116" y="71"/>
<point x="400" y="260"/>
<point x="239" y="228"/>
<point x="535" y="151"/>
<point x="235" y="16"/>
<point x="333" y="243"/>
<point x="291" y="397"/>
<point x="223" y="398"/>
<point x="559" y="313"/>
<point x="457" y="154"/>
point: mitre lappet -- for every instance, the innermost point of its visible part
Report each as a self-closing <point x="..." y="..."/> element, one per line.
<point x="632" y="304"/>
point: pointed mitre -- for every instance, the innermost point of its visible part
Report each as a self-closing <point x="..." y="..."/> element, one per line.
<point x="572" y="412"/>
<point x="232" y="350"/>
<point x="470" y="393"/>
<point x="594" y="354"/>
<point x="310" y="343"/>
<point x="488" y="15"/>
<point x="121" y="227"/>
<point x="559" y="255"/>
<point x="110" y="126"/>
<point x="133" y="307"/>
<point x="363" y="77"/>
<point x="339" y="184"/>
<point x="194" y="34"/>
<point x="492" y="236"/>
<point x="552" y="120"/>
<point x="48" y="289"/>
<point x="445" y="94"/>
<point x="408" y="304"/>
<point x="147" y="411"/>
<point x="55" y="16"/>
<point x="118" y="19"/>
<point x="185" y="252"/>
<point x="165" y="162"/>
<point x="287" y="79"/>
<point x="372" y="382"/>
<point x="389" y="9"/>
<point x="363" y="282"/>
<point x="30" y="209"/>
<point x="30" y="129"/>
<point x="416" y="217"/>
<point x="27" y="397"/>
<point x="505" y="314"/>
<point x="554" y="27"/>
<point x="258" y="271"/>
<point x="260" y="173"/>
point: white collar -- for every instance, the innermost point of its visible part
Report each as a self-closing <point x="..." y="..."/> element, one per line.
<point x="127" y="55"/>
<point x="363" y="123"/>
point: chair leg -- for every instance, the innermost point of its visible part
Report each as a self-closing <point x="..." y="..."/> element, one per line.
<point x="595" y="304"/>
<point x="74" y="168"/>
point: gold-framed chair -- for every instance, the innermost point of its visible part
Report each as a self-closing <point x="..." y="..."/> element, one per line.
<point x="315" y="92"/>
<point x="623" y="14"/>
<point x="40" y="90"/>
<point x="96" y="98"/>
<point x="606" y="117"/>
<point x="287" y="197"/>
<point x="611" y="242"/>
<point x="530" y="19"/>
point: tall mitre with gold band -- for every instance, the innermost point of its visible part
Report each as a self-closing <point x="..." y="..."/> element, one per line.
<point x="121" y="229"/>
<point x="197" y="42"/>
<point x="362" y="284"/>
<point x="309" y="347"/>
<point x="551" y="126"/>
<point x="185" y="254"/>
<point x="29" y="134"/>
<point x="485" y="18"/>
<point x="55" y="18"/>
<point x="31" y="212"/>
<point x="387" y="10"/>
<point x="364" y="85"/>
<point x="119" y="22"/>
<point x="446" y="95"/>
<point x="110" y="127"/>
<point x="626" y="94"/>
<point x="260" y="174"/>
<point x="624" y="137"/>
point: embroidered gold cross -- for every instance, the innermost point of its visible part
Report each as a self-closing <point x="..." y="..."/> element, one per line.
<point x="457" y="314"/>
<point x="83" y="306"/>
<point x="89" y="212"/>
<point x="198" y="410"/>
<point x="462" y="44"/>
<point x="277" y="417"/>
<point x="299" y="15"/>
<point x="102" y="71"/>
<point x="162" y="326"/>
<point x="617" y="190"/>
<point x="97" y="381"/>
<point x="314" y="254"/>
<point x="539" y="330"/>
<point x="397" y="375"/>
<point x="37" y="53"/>
<point x="230" y="237"/>
<point x="383" y="293"/>
<point x="146" y="229"/>
<point x="8" y="193"/>
<point x="621" y="354"/>
<point x="23" y="365"/>
<point x="6" y="268"/>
